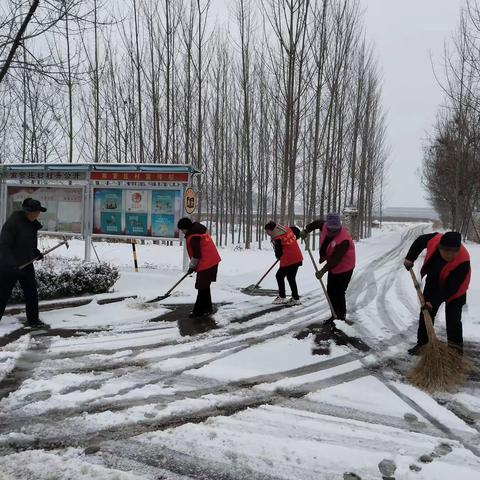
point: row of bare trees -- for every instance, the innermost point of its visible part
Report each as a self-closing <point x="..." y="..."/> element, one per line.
<point x="452" y="154"/>
<point x="280" y="107"/>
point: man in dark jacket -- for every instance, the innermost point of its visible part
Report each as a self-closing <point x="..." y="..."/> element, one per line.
<point x="447" y="270"/>
<point x="204" y="260"/>
<point x="18" y="245"/>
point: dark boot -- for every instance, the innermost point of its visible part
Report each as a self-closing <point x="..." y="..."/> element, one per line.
<point x="415" y="350"/>
<point x="37" y="324"/>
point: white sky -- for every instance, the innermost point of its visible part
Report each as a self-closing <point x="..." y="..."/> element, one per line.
<point x="407" y="33"/>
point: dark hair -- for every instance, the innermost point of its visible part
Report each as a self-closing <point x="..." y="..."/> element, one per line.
<point x="184" y="224"/>
<point x="451" y="241"/>
<point x="270" y="225"/>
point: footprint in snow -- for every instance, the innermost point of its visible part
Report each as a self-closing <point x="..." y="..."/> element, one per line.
<point x="439" y="451"/>
<point x="387" y="469"/>
<point x="442" y="450"/>
<point x="351" y="476"/>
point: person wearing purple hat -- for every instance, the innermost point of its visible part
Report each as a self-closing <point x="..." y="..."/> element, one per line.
<point x="447" y="271"/>
<point x="337" y="249"/>
<point x="18" y="245"/>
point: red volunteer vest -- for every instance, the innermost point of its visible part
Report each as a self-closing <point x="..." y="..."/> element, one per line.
<point x="291" y="251"/>
<point x="347" y="263"/>
<point x="210" y="256"/>
<point x="463" y="256"/>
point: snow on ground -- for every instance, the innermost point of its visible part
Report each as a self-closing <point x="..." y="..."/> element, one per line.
<point x="125" y="390"/>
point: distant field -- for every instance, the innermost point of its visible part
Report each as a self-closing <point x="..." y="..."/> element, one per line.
<point x="410" y="213"/>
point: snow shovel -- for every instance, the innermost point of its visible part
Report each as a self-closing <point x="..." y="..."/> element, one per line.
<point x="252" y="288"/>
<point x="307" y="246"/>
<point x="440" y="367"/>
<point x="64" y="242"/>
<point x="163" y="297"/>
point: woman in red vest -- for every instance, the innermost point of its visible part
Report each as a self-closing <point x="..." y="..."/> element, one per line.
<point x="337" y="249"/>
<point x="447" y="270"/>
<point x="286" y="247"/>
<point x="204" y="260"/>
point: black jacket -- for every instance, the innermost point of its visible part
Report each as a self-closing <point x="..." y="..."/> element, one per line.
<point x="277" y="244"/>
<point x="338" y="252"/>
<point x="18" y="240"/>
<point x="434" y="293"/>
<point x="199" y="229"/>
<point x="205" y="277"/>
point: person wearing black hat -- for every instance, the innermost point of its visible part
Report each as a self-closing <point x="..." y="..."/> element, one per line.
<point x="447" y="271"/>
<point x="204" y="260"/>
<point x="18" y="245"/>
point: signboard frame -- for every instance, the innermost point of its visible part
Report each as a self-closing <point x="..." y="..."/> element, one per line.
<point x="84" y="189"/>
<point x="91" y="176"/>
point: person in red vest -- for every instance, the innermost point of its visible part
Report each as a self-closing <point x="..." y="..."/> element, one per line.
<point x="286" y="247"/>
<point x="337" y="249"/>
<point x="447" y="270"/>
<point x="204" y="260"/>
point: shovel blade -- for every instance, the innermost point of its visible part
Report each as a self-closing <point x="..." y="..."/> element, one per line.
<point x="158" y="299"/>
<point x="250" y="288"/>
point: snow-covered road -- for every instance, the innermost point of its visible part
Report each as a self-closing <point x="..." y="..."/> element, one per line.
<point x="116" y="391"/>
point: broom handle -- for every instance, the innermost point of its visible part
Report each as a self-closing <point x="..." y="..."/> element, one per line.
<point x="266" y="273"/>
<point x="426" y="314"/>
<point x="307" y="246"/>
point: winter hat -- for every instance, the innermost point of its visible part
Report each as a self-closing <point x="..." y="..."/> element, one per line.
<point x="184" y="224"/>
<point x="333" y="221"/>
<point x="451" y="241"/>
<point x="31" y="205"/>
<point x="270" y="225"/>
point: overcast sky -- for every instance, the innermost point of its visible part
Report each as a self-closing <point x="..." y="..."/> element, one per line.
<point x="407" y="33"/>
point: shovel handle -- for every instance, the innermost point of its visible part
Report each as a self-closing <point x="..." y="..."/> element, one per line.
<point x="266" y="273"/>
<point x="327" y="296"/>
<point x="176" y="285"/>
<point x="163" y="297"/>
<point x="426" y="314"/>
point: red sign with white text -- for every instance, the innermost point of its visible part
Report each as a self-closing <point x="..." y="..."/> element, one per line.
<point x="140" y="176"/>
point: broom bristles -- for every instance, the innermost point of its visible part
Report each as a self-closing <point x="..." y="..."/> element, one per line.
<point x="440" y="368"/>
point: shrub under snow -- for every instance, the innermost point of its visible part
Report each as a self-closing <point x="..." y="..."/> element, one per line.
<point x="58" y="277"/>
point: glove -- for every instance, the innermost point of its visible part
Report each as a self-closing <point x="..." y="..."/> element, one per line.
<point x="428" y="306"/>
<point x="303" y="234"/>
<point x="408" y="264"/>
<point x="321" y="273"/>
<point x="193" y="265"/>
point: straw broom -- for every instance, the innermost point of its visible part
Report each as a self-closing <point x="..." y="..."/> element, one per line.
<point x="440" y="368"/>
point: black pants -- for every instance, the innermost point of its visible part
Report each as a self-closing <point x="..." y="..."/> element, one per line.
<point x="290" y="272"/>
<point x="337" y="285"/>
<point x="203" y="303"/>
<point x="26" y="277"/>
<point x="453" y="316"/>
